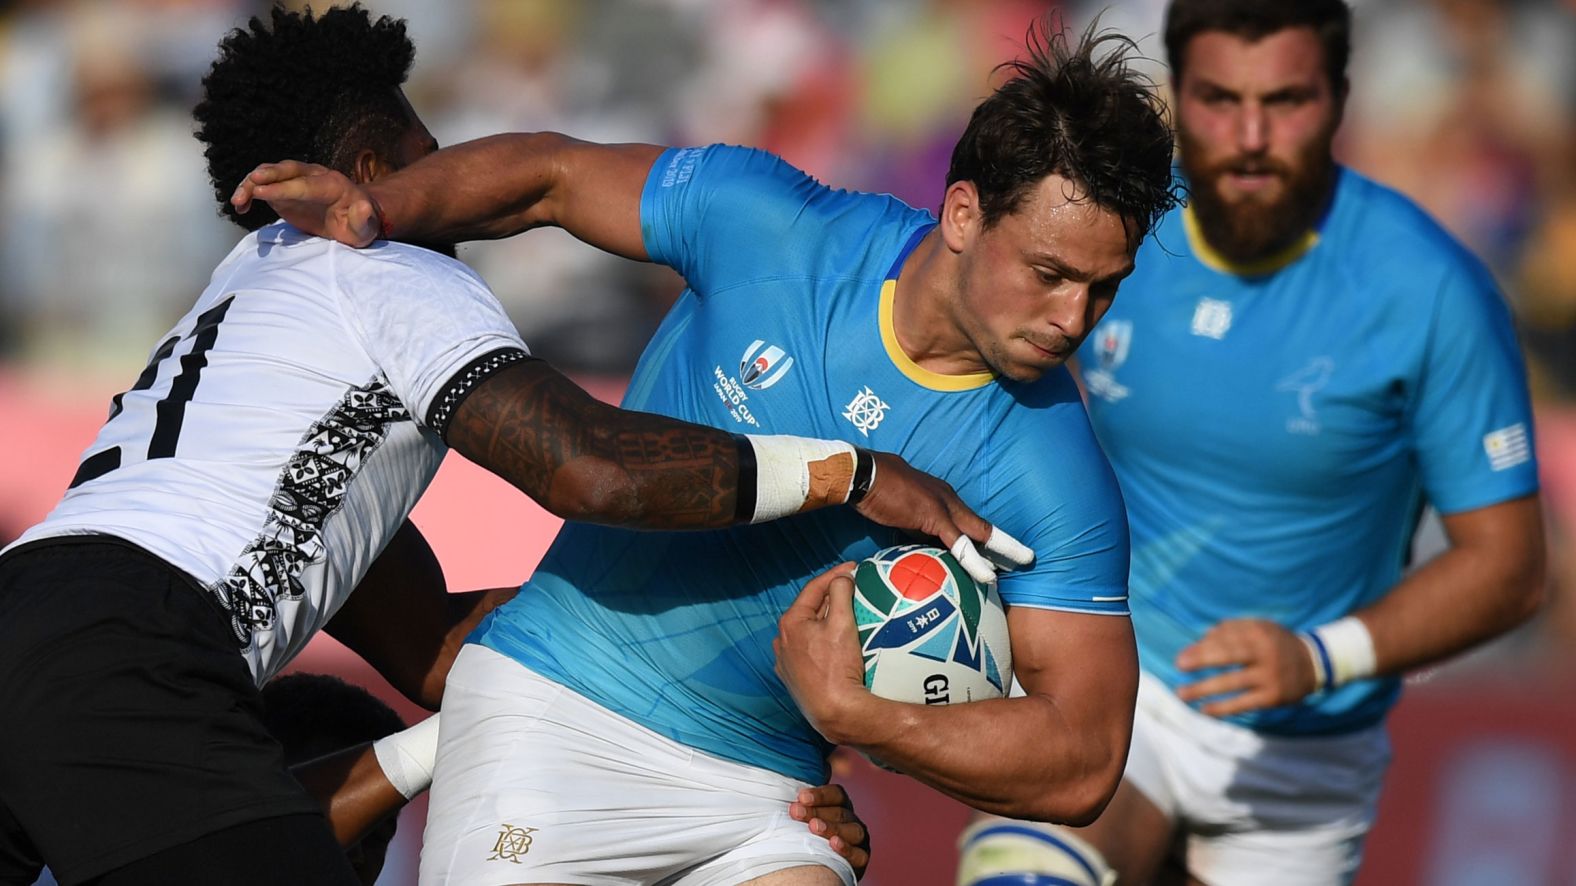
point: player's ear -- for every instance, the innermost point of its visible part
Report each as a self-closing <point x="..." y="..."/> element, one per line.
<point x="369" y="166"/>
<point x="960" y="215"/>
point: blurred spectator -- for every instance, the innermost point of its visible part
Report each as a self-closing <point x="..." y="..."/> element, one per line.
<point x="109" y="223"/>
<point x="1466" y="105"/>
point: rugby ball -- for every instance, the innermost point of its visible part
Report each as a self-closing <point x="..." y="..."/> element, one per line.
<point x="930" y="634"/>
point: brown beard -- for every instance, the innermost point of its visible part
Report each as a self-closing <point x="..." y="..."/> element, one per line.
<point x="1254" y="227"/>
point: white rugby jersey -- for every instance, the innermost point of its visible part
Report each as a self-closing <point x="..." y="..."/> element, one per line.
<point x="287" y="425"/>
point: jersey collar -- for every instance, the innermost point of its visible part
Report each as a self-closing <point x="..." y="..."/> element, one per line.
<point x="1257" y="268"/>
<point x="916" y="373"/>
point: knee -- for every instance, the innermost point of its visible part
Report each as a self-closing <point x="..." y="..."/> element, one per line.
<point x="999" y="852"/>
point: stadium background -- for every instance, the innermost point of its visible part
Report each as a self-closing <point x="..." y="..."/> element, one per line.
<point x="108" y="230"/>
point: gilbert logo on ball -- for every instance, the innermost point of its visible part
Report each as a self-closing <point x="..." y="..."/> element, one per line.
<point x="930" y="634"/>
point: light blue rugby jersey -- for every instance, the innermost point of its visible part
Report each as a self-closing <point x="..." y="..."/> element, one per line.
<point x="1276" y="429"/>
<point x="786" y="329"/>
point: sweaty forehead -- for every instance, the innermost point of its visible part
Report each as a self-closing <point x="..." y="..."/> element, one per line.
<point x="1058" y="219"/>
<point x="1287" y="58"/>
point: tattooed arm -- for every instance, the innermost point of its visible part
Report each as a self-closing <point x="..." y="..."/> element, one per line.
<point x="585" y="460"/>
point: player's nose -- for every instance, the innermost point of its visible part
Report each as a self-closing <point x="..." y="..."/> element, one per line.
<point x="1069" y="315"/>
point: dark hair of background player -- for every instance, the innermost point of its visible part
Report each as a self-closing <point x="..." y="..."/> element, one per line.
<point x="1255" y="19"/>
<point x="315" y="714"/>
<point x="1078" y="111"/>
<point x="317" y="89"/>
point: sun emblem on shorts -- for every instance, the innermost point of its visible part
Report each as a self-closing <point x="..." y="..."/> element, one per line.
<point x="512" y="843"/>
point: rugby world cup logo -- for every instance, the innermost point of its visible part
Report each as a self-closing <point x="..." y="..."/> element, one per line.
<point x="1112" y="342"/>
<point x="763" y="365"/>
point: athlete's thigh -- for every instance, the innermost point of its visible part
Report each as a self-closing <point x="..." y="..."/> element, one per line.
<point x="131" y="723"/>
<point x="805" y="875"/>
<point x="1327" y="856"/>
<point x="1294" y="811"/>
<point x="536" y="784"/>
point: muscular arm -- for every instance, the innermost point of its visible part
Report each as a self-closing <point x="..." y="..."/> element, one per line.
<point x="501" y="185"/>
<point x="1055" y="755"/>
<point x="480" y="190"/>
<point x="585" y="460"/>
<point x="1487" y="582"/>
<point x="403" y="621"/>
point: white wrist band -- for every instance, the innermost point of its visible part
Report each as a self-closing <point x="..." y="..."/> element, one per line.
<point x="782" y="472"/>
<point x="1342" y="651"/>
<point x="408" y="757"/>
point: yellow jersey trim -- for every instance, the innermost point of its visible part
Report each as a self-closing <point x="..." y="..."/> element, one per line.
<point x="916" y="373"/>
<point x="1267" y="265"/>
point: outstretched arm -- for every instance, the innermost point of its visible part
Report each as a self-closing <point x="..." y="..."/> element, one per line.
<point x="480" y="190"/>
<point x="1487" y="582"/>
<point x="1054" y="755"/>
<point x="583" y="459"/>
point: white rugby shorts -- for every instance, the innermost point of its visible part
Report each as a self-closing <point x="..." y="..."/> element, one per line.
<point x="1257" y="808"/>
<point x="538" y="784"/>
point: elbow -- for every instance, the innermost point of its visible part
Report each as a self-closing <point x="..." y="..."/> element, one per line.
<point x="592" y="490"/>
<point x="1075" y="806"/>
<point x="1531" y="590"/>
<point x="1074" y="802"/>
<point x="1085" y="803"/>
<point x="1524" y="583"/>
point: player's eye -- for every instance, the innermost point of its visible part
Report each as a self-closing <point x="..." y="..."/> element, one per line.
<point x="1049" y="278"/>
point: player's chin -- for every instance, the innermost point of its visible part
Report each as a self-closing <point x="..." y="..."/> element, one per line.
<point x="1031" y="363"/>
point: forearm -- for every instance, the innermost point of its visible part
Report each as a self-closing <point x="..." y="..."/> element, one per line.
<point x="1463" y="597"/>
<point x="1023" y="758"/>
<point x="582" y="459"/>
<point x="352" y="789"/>
<point x="479" y="190"/>
<point x="585" y="460"/>
<point x="501" y="185"/>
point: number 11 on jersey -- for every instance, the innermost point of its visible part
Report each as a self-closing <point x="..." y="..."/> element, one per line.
<point x="170" y="411"/>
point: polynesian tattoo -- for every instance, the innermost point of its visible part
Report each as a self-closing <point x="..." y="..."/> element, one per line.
<point x="557" y="443"/>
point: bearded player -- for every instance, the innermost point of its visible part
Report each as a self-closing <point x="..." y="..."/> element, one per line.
<point x="1281" y="389"/>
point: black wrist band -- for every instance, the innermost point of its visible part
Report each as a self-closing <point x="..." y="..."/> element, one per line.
<point x="749" y="475"/>
<point x="864" y="475"/>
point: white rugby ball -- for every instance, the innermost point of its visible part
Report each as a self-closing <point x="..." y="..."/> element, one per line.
<point x="930" y="634"/>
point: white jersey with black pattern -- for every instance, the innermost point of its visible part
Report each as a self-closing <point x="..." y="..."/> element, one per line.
<point x="287" y="425"/>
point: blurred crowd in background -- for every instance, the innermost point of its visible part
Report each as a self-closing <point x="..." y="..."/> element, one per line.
<point x="109" y="225"/>
<point x="109" y="228"/>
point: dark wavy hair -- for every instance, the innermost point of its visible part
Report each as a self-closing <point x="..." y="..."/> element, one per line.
<point x="1254" y="20"/>
<point x="318" y="89"/>
<point x="1078" y="111"/>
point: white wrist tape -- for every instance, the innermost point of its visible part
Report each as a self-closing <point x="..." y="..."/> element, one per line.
<point x="1342" y="651"/>
<point x="782" y="472"/>
<point x="408" y="757"/>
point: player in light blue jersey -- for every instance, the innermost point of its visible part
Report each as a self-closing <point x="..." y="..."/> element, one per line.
<point x="624" y="717"/>
<point x="1300" y="362"/>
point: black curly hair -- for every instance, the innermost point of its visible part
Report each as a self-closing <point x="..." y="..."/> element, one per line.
<point x="318" y="89"/>
<point x="1078" y="111"/>
<point x="315" y="714"/>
